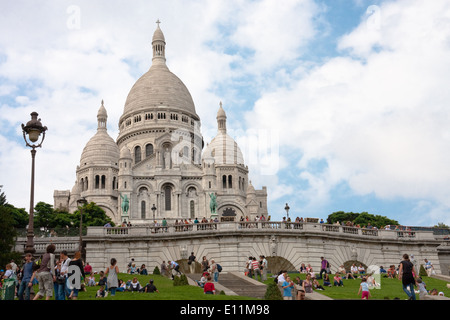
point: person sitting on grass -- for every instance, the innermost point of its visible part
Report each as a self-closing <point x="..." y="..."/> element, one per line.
<point x="135" y="286"/>
<point x="101" y="293"/>
<point x="209" y="288"/>
<point x="338" y="280"/>
<point x="150" y="287"/>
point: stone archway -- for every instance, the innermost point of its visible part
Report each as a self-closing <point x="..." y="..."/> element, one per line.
<point x="277" y="264"/>
<point x="349" y="263"/>
<point x="186" y="268"/>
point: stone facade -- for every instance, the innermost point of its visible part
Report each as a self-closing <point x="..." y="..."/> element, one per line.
<point x="159" y="162"/>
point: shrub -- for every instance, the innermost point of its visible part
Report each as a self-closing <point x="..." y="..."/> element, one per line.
<point x="156" y="271"/>
<point x="273" y="292"/>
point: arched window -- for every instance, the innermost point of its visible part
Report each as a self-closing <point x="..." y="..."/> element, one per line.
<point x="142" y="209"/>
<point x="224" y="182"/>
<point x="97" y="182"/>
<point x="230" y="181"/>
<point x="137" y="154"/>
<point x="148" y="150"/>
<point x="103" y="185"/>
<point x="168" y="198"/>
<point x="82" y="184"/>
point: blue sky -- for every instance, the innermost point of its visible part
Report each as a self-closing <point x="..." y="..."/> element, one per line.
<point x="347" y="101"/>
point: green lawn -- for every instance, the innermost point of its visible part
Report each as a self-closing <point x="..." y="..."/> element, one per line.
<point x="389" y="289"/>
<point x="167" y="291"/>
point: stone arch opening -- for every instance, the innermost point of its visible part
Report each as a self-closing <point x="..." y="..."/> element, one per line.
<point x="275" y="264"/>
<point x="348" y="264"/>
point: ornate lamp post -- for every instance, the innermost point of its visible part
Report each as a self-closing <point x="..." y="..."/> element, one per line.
<point x="81" y="202"/>
<point x="287" y="210"/>
<point x="153" y="209"/>
<point x="33" y="130"/>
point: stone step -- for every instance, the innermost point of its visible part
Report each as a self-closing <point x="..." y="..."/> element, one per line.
<point x="237" y="284"/>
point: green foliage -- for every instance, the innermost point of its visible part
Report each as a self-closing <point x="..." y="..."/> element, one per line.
<point x="363" y="219"/>
<point x="273" y="292"/>
<point x="43" y="215"/>
<point x="7" y="232"/>
<point x="180" y="280"/>
<point x="422" y="271"/>
<point x="93" y="215"/>
<point x="20" y="216"/>
<point x="156" y="271"/>
<point x="442" y="225"/>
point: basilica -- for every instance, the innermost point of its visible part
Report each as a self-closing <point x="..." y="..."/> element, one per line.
<point x="159" y="166"/>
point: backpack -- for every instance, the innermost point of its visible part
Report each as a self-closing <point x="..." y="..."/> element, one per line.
<point x="219" y="268"/>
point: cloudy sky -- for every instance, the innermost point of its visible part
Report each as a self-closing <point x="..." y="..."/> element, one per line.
<point x="337" y="105"/>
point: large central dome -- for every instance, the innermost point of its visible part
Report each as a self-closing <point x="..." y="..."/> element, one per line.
<point x="159" y="87"/>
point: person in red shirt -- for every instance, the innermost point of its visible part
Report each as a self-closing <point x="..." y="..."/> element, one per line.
<point x="209" y="287"/>
<point x="87" y="269"/>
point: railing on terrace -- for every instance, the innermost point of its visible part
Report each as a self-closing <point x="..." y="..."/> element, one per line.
<point x="258" y="225"/>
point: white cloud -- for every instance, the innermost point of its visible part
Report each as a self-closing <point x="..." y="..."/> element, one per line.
<point x="378" y="113"/>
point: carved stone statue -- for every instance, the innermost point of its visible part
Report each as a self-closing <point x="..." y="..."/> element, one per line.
<point x="125" y="204"/>
<point x="213" y="203"/>
<point x="167" y="159"/>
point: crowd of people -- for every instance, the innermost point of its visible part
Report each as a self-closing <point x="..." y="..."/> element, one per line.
<point x="64" y="278"/>
<point x="406" y="272"/>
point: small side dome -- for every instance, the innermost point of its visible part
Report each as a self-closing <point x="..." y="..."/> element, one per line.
<point x="125" y="153"/>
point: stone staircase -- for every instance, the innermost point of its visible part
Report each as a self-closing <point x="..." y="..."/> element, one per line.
<point x="235" y="283"/>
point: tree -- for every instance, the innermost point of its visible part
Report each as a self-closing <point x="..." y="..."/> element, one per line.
<point x="93" y="215"/>
<point x="363" y="219"/>
<point x="44" y="215"/>
<point x="7" y="233"/>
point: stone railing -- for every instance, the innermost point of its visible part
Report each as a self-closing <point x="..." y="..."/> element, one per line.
<point x="269" y="226"/>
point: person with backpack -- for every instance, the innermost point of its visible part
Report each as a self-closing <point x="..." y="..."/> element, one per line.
<point x="215" y="270"/>
<point x="46" y="274"/>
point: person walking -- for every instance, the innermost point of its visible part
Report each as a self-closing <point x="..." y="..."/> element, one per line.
<point x="191" y="263"/>
<point x="25" y="283"/>
<point x="62" y="288"/>
<point x="323" y="267"/>
<point x="364" y="289"/>
<point x="406" y="274"/>
<point x="264" y="266"/>
<point x="45" y="275"/>
<point x="205" y="264"/>
<point x="214" y="270"/>
<point x="112" y="281"/>
<point x="75" y="284"/>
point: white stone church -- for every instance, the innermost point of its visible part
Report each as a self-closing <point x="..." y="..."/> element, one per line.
<point x="159" y="163"/>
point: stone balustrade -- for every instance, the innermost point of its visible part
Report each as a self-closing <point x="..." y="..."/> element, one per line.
<point x="269" y="226"/>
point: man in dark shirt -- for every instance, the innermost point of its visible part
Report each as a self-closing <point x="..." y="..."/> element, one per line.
<point x="150" y="287"/>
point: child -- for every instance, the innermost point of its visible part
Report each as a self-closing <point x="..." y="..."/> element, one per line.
<point x="101" y="293"/>
<point x="422" y="288"/>
<point x="364" y="289"/>
<point x="91" y="280"/>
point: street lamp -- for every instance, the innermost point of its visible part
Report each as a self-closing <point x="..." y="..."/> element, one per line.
<point x="153" y="209"/>
<point x="33" y="130"/>
<point x="287" y="210"/>
<point x="81" y="202"/>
